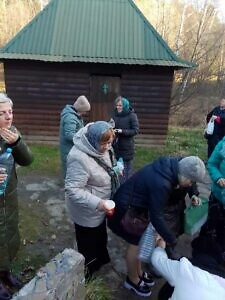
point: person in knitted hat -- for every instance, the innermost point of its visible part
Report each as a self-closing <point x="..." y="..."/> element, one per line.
<point x="70" y="122"/>
<point x="191" y="168"/>
<point x="82" y="104"/>
<point x="146" y="194"/>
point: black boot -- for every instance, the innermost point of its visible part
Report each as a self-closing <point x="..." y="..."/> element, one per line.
<point x="4" y="293"/>
<point x="11" y="280"/>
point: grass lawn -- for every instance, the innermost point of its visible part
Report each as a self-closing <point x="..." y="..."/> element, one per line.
<point x="180" y="141"/>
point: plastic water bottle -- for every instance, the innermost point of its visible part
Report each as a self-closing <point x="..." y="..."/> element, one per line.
<point x="6" y="163"/>
<point x="147" y="244"/>
<point x="120" y="165"/>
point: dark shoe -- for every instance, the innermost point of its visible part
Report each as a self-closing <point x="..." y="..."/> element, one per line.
<point x="140" y="289"/>
<point x="4" y="293"/>
<point x="147" y="279"/>
<point x="11" y="280"/>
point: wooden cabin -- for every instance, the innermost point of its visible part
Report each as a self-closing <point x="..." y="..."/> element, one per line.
<point x="97" y="48"/>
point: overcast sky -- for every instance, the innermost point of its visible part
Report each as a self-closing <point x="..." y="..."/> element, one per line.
<point x="221" y="7"/>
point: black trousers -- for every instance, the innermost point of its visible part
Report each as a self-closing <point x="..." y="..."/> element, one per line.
<point x="92" y="244"/>
<point x="215" y="224"/>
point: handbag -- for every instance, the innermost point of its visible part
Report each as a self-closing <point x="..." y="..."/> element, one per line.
<point x="147" y="244"/>
<point x="135" y="220"/>
<point x="195" y="217"/>
<point x="210" y="128"/>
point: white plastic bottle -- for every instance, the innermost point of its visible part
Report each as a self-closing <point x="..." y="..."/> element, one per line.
<point x="120" y="165"/>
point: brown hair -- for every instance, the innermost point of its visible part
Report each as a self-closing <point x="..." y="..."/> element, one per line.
<point x="109" y="134"/>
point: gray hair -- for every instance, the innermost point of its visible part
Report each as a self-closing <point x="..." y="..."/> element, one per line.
<point x="4" y="99"/>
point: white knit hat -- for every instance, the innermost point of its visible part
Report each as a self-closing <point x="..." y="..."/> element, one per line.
<point x="82" y="104"/>
<point x="192" y="168"/>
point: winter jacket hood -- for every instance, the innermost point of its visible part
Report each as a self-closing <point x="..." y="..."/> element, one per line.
<point x="82" y="144"/>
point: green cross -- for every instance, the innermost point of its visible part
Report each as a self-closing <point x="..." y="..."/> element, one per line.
<point x="105" y="88"/>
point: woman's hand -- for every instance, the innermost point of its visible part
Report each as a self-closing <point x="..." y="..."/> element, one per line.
<point x="221" y="182"/>
<point x="9" y="136"/>
<point x="160" y="243"/>
<point x="195" y="200"/>
<point x="213" y="118"/>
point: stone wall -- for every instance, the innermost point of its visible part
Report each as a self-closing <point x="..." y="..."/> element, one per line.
<point x="62" y="279"/>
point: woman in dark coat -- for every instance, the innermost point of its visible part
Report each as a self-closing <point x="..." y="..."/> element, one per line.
<point x="148" y="192"/>
<point x="9" y="232"/>
<point x="218" y="116"/>
<point x="126" y="127"/>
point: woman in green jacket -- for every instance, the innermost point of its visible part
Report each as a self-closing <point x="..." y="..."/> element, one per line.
<point x="71" y="120"/>
<point x="9" y="232"/>
<point x="215" y="225"/>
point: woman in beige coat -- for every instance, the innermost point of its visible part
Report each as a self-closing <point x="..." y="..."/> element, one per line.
<point x="89" y="180"/>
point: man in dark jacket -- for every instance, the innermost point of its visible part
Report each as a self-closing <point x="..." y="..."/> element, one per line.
<point x="126" y="127"/>
<point x="218" y="116"/>
<point x="149" y="190"/>
<point x="9" y="232"/>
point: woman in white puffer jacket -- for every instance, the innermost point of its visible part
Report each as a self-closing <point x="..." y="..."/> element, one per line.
<point x="87" y="186"/>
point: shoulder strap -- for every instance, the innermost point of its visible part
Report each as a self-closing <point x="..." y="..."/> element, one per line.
<point x="114" y="178"/>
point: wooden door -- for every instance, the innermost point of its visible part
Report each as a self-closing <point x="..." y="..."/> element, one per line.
<point x="104" y="90"/>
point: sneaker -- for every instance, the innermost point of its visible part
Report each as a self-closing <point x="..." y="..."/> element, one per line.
<point x="147" y="279"/>
<point x="140" y="289"/>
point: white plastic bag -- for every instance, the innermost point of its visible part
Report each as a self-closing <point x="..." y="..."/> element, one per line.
<point x="210" y="128"/>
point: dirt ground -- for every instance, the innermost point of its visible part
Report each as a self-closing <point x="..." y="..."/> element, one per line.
<point x="46" y="231"/>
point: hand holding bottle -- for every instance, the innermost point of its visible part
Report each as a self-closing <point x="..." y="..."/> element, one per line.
<point x="119" y="168"/>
